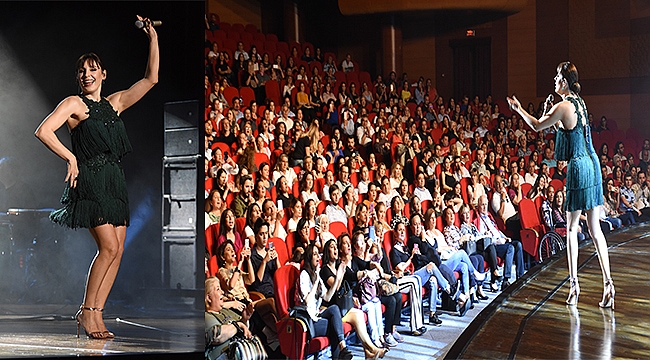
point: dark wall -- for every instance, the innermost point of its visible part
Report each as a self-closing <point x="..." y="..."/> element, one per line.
<point x="46" y="38"/>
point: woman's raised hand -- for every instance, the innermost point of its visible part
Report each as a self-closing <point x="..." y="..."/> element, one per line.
<point x="148" y="26"/>
<point x="514" y="103"/>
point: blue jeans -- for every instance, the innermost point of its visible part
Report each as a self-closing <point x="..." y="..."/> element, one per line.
<point x="459" y="261"/>
<point x="507" y="253"/>
<point x="433" y="279"/>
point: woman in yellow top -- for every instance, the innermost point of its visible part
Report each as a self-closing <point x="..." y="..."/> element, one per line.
<point x="303" y="98"/>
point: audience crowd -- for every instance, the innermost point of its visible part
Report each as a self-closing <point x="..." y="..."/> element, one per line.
<point x="388" y="181"/>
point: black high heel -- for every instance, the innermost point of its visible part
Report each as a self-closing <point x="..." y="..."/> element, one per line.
<point x="91" y="335"/>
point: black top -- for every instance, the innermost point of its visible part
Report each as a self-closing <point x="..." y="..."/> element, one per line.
<point x="428" y="253"/>
<point x="266" y="285"/>
<point x="300" y="150"/>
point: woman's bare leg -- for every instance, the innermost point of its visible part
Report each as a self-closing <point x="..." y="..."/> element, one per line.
<point x="573" y="222"/>
<point x="358" y="321"/>
<point x="600" y="242"/>
<point x="103" y="270"/>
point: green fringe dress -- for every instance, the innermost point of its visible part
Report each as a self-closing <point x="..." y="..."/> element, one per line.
<point x="100" y="197"/>
<point x="584" y="184"/>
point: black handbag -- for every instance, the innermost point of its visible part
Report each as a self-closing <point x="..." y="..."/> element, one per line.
<point x="300" y="313"/>
<point x="470" y="246"/>
<point x="343" y="298"/>
<point x="483" y="243"/>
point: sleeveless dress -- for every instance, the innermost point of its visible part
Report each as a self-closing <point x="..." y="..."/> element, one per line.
<point x="100" y="197"/>
<point x="583" y="177"/>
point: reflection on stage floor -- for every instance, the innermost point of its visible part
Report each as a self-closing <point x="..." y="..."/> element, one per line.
<point x="533" y="321"/>
<point x="50" y="330"/>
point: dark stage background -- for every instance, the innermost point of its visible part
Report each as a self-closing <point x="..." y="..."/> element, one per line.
<point x="39" y="44"/>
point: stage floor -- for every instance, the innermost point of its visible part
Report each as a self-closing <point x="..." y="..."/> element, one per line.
<point x="532" y="320"/>
<point x="50" y="331"/>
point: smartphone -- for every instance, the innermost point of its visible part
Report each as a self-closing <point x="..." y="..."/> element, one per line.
<point x="225" y="155"/>
<point x="416" y="247"/>
<point x="271" y="246"/>
<point x="256" y="67"/>
<point x="247" y="243"/>
<point x="280" y="205"/>
<point x="276" y="66"/>
<point x="371" y="233"/>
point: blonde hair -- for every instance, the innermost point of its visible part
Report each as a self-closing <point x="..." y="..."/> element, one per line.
<point x="210" y="284"/>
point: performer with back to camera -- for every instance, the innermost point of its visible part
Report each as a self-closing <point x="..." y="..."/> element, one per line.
<point x="583" y="177"/>
<point x="95" y="196"/>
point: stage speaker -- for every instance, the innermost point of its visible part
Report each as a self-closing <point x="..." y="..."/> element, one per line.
<point x="180" y="267"/>
<point x="181" y="128"/>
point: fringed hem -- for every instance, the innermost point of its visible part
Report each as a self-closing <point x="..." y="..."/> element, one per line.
<point x="90" y="214"/>
<point x="584" y="199"/>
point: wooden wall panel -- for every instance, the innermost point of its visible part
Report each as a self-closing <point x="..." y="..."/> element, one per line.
<point x="522" y="56"/>
<point x="420" y="58"/>
<point x="237" y="11"/>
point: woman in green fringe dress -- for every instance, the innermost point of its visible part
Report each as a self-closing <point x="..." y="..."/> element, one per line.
<point x="95" y="196"/>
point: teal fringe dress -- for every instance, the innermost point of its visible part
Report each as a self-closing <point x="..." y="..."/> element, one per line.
<point x="584" y="184"/>
<point x="100" y="197"/>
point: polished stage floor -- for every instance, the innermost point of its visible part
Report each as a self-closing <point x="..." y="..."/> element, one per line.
<point x="48" y="331"/>
<point x="531" y="321"/>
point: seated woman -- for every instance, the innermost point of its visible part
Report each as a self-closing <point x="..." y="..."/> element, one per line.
<point x="259" y="192"/>
<point x="361" y="263"/>
<point x="404" y="192"/>
<point x="213" y="208"/>
<point x="397" y="207"/>
<point x="539" y="188"/>
<point x="402" y="259"/>
<point x="333" y="260"/>
<point x="222" y="324"/>
<point x="295" y="214"/>
<point x="489" y="254"/>
<point x="311" y="292"/>
<point x="558" y="215"/>
<point x="457" y="259"/>
<point x="309" y="213"/>
<point x="253" y="213"/>
<point x="227" y="230"/>
<point x="307" y="189"/>
<point x="350" y="199"/>
<point x="234" y="278"/>
<point x="323" y="229"/>
<point x="264" y="175"/>
<point x="475" y="189"/>
<point x="454" y="198"/>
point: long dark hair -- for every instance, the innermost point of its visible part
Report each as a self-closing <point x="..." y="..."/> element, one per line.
<point x="311" y="270"/>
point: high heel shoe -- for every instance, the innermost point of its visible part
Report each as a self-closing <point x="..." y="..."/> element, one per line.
<point x="574" y="292"/>
<point x="80" y="323"/>
<point x="107" y="334"/>
<point x="608" y="295"/>
<point x="378" y="354"/>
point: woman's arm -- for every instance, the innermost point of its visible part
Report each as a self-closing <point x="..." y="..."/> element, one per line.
<point x="66" y="111"/>
<point x="557" y="113"/>
<point x="122" y="100"/>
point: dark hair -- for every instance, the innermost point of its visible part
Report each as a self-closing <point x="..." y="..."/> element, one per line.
<point x="310" y="269"/>
<point x="94" y="59"/>
<point x="326" y="255"/>
<point x="249" y="214"/>
<point x="258" y="225"/>
<point x="221" y="249"/>
<point x="570" y="74"/>
<point x="222" y="222"/>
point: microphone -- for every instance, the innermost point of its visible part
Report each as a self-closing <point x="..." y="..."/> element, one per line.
<point x="548" y="103"/>
<point x="140" y="24"/>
